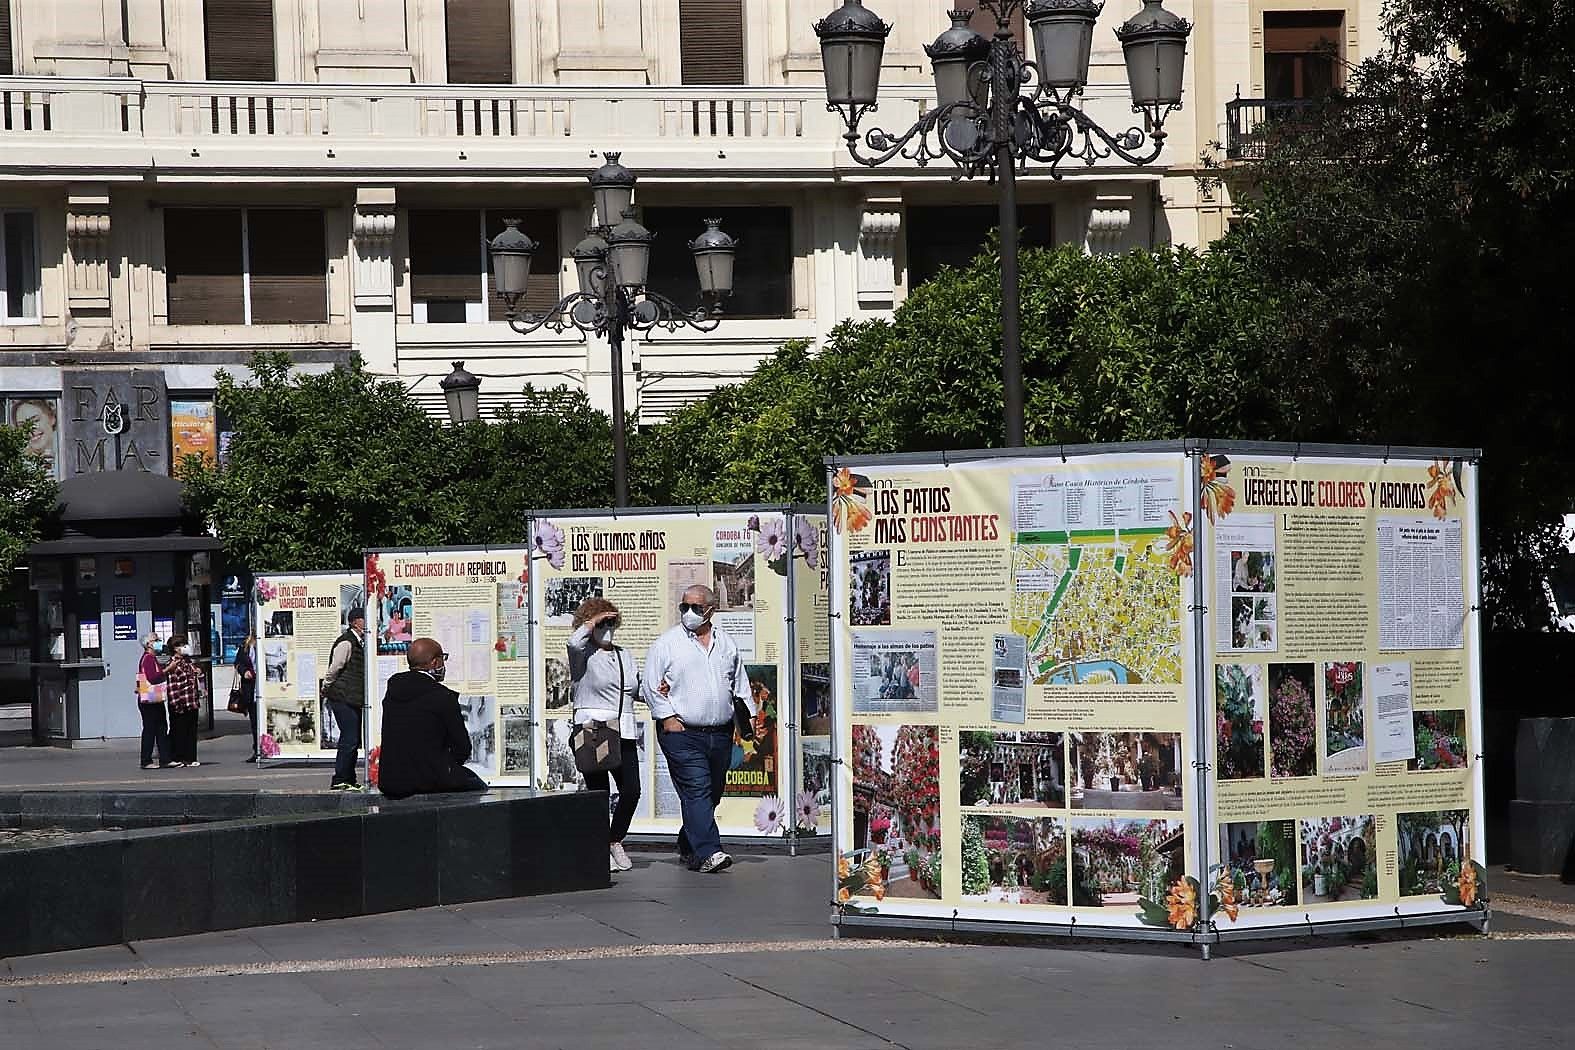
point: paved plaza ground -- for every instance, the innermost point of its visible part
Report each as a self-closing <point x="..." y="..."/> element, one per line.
<point x="745" y="960"/>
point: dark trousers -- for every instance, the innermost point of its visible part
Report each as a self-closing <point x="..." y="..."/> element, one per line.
<point x="698" y="761"/>
<point x="183" y="735"/>
<point x="155" y="733"/>
<point x="251" y="717"/>
<point x="627" y="776"/>
<point x="456" y="778"/>
<point x="349" y="718"/>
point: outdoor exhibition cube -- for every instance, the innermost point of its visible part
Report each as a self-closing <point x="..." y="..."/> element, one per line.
<point x="1194" y="690"/>
<point x="503" y="614"/>
<point x="766" y="565"/>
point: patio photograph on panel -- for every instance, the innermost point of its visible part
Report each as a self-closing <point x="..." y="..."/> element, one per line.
<point x="1013" y="860"/>
<point x="1339" y="859"/>
<point x="897" y="805"/>
<point x="1011" y="769"/>
<point x="1127" y="859"/>
<point x="1261" y="858"/>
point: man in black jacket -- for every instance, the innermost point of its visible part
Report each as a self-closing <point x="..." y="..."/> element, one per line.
<point x="424" y="741"/>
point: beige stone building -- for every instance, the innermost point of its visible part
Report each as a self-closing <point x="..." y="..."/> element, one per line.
<point x="185" y="181"/>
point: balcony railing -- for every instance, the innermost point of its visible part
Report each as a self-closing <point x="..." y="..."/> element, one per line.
<point x="1249" y="121"/>
<point x="433" y="125"/>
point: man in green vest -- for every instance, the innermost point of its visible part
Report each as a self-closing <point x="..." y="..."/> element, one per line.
<point x="344" y="685"/>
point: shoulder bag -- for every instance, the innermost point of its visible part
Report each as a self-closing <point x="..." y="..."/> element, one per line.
<point x="598" y="747"/>
<point x="236" y="706"/>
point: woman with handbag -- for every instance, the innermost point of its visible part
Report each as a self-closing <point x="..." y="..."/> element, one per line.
<point x="150" y="705"/>
<point x="184" y="683"/>
<point x="243" y="687"/>
<point x="605" y="680"/>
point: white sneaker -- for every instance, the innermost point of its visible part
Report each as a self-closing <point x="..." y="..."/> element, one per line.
<point x="612" y="864"/>
<point x="718" y="861"/>
<point x="620" y="857"/>
<point x="193" y="765"/>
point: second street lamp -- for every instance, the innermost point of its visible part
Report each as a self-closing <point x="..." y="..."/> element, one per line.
<point x="613" y="264"/>
<point x="996" y="111"/>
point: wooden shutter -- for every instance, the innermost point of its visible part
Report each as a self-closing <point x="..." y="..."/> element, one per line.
<point x="445" y="255"/>
<point x="1302" y="31"/>
<point x="6" y="68"/>
<point x="202" y="266"/>
<point x="288" y="265"/>
<point x="239" y="39"/>
<point x="546" y="266"/>
<point x="480" y="41"/>
<point x="711" y="41"/>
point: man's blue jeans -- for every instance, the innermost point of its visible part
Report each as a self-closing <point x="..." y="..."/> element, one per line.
<point x="698" y="761"/>
<point x="347" y="760"/>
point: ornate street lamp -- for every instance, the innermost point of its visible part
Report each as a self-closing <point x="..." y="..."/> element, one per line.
<point x="462" y="390"/>
<point x="613" y="264"/>
<point x="996" y="110"/>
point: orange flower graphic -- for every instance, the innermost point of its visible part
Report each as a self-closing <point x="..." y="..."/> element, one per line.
<point x="1441" y="487"/>
<point x="1182" y="904"/>
<point x="1468" y="885"/>
<point x="849" y="500"/>
<point x="1178" y="543"/>
<point x="1218" y="497"/>
<point x="1227" y="895"/>
<point x="843" y="895"/>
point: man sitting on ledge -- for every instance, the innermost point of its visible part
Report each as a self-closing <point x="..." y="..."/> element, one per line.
<point x="424" y="741"/>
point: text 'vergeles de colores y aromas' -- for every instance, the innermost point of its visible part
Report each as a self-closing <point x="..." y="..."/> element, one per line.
<point x="1356" y="495"/>
<point x="923" y="514"/>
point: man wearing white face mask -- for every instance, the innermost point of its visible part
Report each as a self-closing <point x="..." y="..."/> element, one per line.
<point x="693" y="676"/>
<point x="605" y="683"/>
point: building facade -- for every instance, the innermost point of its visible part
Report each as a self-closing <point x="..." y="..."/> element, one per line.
<point x="185" y="182"/>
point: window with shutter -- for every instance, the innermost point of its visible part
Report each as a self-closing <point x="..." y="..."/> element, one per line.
<point x="287" y="266"/>
<point x="762" y="274"/>
<point x="711" y="41"/>
<point x="6" y="68"/>
<point x="445" y="262"/>
<point x="1301" y="53"/>
<point x="541" y="291"/>
<point x="238" y="39"/>
<point x="203" y="266"/>
<point x="480" y="41"/>
<point x="951" y="235"/>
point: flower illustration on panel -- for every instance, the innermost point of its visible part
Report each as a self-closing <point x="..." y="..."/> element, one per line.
<point x="850" y="508"/>
<point x="768" y="814"/>
<point x="547" y="542"/>
<point x="806" y="540"/>
<point x="1218" y="496"/>
<point x="1178" y="543"/>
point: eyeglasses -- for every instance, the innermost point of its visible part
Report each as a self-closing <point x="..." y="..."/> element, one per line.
<point x="698" y="607"/>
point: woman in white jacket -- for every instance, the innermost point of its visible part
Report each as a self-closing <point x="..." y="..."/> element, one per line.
<point x="605" y="680"/>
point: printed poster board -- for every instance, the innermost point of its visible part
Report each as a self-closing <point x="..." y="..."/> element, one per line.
<point x="296" y="619"/>
<point x="472" y="600"/>
<point x="1342" y="672"/>
<point x="1155" y="690"/>
<point x="643" y="561"/>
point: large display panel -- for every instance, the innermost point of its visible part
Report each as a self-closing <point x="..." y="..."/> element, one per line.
<point x="1341" y="665"/>
<point x="754" y="559"/>
<point x="1173" y="690"/>
<point x="473" y="601"/>
<point x="296" y="617"/>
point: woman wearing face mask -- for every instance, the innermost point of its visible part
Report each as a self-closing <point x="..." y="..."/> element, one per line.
<point x="605" y="680"/>
<point x="150" y="704"/>
<point x="184" y="683"/>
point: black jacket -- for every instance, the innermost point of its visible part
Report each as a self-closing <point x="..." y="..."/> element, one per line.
<point x="424" y="743"/>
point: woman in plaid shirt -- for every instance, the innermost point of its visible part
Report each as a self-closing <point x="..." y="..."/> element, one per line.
<point x="183" y="687"/>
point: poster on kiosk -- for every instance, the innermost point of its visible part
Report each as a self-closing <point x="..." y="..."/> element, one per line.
<point x="756" y="560"/>
<point x="1163" y="691"/>
<point x="296" y="619"/>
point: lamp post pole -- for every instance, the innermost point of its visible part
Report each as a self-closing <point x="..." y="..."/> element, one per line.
<point x="985" y="123"/>
<point x="617" y="318"/>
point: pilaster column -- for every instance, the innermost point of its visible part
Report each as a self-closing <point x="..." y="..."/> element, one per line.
<point x="878" y="227"/>
<point x="87" y="249"/>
